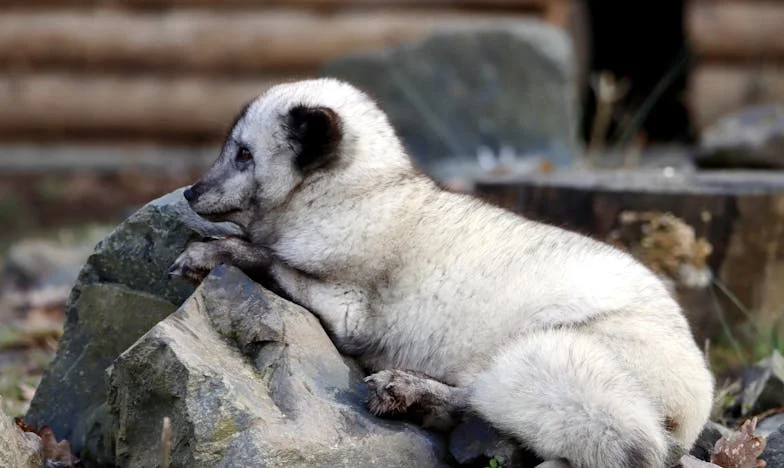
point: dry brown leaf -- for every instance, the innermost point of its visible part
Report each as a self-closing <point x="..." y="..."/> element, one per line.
<point x="23" y="425"/>
<point x="546" y="166"/>
<point x="665" y="243"/>
<point x="56" y="452"/>
<point x="741" y="449"/>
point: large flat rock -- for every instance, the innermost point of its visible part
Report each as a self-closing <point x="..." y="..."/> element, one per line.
<point x="249" y="379"/>
<point x="121" y="292"/>
<point x="18" y="449"/>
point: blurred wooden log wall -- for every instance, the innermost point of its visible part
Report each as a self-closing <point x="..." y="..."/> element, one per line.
<point x="177" y="70"/>
<point x="739" y="46"/>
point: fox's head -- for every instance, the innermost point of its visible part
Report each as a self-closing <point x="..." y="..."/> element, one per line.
<point x="288" y="139"/>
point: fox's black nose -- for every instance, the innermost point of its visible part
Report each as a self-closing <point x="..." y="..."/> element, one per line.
<point x="190" y="194"/>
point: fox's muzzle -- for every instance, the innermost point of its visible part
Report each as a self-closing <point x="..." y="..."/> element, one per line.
<point x="191" y="194"/>
<point x="195" y="191"/>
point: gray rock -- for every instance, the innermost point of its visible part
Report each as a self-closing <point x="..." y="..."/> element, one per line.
<point x="40" y="262"/>
<point x="249" y="379"/>
<point x="763" y="385"/>
<point x="711" y="433"/>
<point x="493" y="85"/>
<point x="18" y="449"/>
<point x="41" y="272"/>
<point x="750" y="138"/>
<point x="122" y="291"/>
<point x="474" y="441"/>
<point x="470" y="440"/>
<point x="774" y="449"/>
<point x="770" y="424"/>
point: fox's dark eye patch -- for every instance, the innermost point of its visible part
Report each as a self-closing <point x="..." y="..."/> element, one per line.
<point x="316" y="132"/>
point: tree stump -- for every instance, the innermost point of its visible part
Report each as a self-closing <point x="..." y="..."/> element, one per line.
<point x="740" y="214"/>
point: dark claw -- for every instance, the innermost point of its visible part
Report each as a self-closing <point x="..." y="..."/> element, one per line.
<point x="371" y="383"/>
<point x="177" y="270"/>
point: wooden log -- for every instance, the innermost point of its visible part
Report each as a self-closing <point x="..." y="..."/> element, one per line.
<point x="64" y="104"/>
<point x="740" y="214"/>
<point x="719" y="89"/>
<point x="208" y="40"/>
<point x="733" y="30"/>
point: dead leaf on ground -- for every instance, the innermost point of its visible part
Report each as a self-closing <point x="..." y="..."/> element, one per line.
<point x="741" y="449"/>
<point x="57" y="454"/>
<point x="21" y="424"/>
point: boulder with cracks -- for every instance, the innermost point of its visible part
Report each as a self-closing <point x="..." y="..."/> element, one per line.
<point x="249" y="379"/>
<point x="18" y="449"/>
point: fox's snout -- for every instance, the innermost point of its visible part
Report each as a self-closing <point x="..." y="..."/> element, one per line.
<point x="195" y="191"/>
<point x="191" y="194"/>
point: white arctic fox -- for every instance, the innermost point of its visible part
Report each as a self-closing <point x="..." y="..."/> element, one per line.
<point x="568" y="345"/>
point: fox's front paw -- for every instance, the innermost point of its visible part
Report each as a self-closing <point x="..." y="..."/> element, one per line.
<point x="393" y="391"/>
<point x="196" y="262"/>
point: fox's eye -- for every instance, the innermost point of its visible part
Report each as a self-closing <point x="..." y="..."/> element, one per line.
<point x="244" y="154"/>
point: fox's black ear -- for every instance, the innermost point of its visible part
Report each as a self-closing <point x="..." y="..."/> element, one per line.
<point x="316" y="133"/>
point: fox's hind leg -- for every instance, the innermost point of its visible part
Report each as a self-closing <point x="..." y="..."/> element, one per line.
<point x="565" y="396"/>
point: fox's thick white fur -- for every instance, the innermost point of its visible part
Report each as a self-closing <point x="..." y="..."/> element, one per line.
<point x="565" y="343"/>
